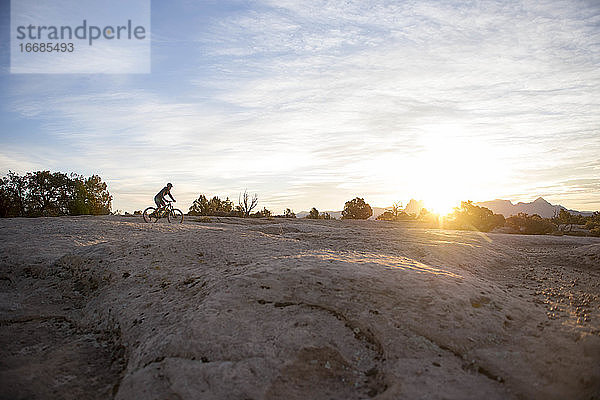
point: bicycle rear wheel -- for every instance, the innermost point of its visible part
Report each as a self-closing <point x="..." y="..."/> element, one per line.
<point x="175" y="216"/>
<point x="150" y="215"/>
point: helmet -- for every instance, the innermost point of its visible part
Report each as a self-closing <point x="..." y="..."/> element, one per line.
<point x="169" y="184"/>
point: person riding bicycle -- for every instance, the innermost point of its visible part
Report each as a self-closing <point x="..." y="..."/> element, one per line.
<point x="160" y="198"/>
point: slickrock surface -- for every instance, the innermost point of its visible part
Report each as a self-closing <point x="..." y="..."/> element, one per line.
<point x="102" y="307"/>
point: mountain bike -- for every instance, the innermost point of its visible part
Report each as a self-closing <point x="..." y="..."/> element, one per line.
<point x="153" y="214"/>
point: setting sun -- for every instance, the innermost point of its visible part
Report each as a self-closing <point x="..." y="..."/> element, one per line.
<point x="441" y="206"/>
<point x="454" y="164"/>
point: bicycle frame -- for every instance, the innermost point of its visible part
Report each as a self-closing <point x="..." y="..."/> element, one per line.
<point x="167" y="208"/>
<point x="165" y="211"/>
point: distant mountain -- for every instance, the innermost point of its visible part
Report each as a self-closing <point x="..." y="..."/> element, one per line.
<point x="539" y="206"/>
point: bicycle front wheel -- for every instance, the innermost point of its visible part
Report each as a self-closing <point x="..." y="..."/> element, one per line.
<point x="175" y="216"/>
<point x="150" y="215"/>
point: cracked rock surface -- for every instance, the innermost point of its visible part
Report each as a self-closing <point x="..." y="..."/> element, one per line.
<point x="228" y="308"/>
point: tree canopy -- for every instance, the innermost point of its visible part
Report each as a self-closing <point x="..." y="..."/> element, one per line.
<point x="43" y="193"/>
<point x="357" y="209"/>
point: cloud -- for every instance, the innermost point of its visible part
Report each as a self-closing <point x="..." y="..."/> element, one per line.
<point x="309" y="103"/>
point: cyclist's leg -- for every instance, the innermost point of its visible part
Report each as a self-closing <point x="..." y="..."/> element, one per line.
<point x="160" y="203"/>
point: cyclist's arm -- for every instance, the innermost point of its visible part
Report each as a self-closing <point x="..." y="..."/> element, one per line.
<point x="171" y="196"/>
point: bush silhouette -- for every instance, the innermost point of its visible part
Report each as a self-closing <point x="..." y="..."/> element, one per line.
<point x="357" y="209"/>
<point x="471" y="217"/>
<point x="313" y="214"/>
<point x="593" y="224"/>
<point x="264" y="213"/>
<point x="214" y="206"/>
<point x="530" y="224"/>
<point x="395" y="213"/>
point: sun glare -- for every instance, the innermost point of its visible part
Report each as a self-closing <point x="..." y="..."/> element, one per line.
<point x="441" y="206"/>
<point x="454" y="164"/>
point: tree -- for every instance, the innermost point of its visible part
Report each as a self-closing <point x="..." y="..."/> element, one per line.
<point x="48" y="193"/>
<point x="288" y="213"/>
<point x="357" y="209"/>
<point x="79" y="204"/>
<point x="325" y="215"/>
<point x="98" y="195"/>
<point x="246" y="205"/>
<point x="43" y="193"/>
<point x="471" y="217"/>
<point x="6" y="203"/>
<point x="313" y="214"/>
<point x="89" y="196"/>
<point x="13" y="195"/>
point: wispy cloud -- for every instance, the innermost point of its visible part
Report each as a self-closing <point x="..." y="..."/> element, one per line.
<point x="311" y="103"/>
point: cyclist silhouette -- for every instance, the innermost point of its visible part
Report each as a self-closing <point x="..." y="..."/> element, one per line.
<point x="159" y="199"/>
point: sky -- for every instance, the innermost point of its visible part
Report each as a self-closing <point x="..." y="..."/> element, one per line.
<point x="312" y="103"/>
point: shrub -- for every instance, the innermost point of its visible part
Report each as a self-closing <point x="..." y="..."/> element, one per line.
<point x="214" y="206"/>
<point x="565" y="220"/>
<point x="313" y="214"/>
<point x="592" y="223"/>
<point x="530" y="224"/>
<point x="471" y="217"/>
<point x="395" y="213"/>
<point x="265" y="213"/>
